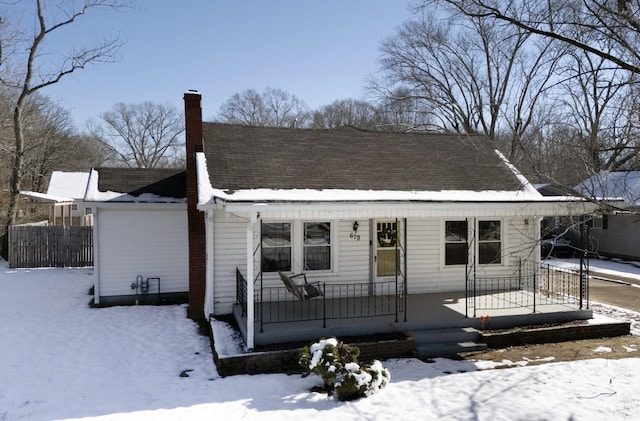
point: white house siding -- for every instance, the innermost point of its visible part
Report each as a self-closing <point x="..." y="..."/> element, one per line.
<point x="351" y="261"/>
<point x="426" y="271"/>
<point x="230" y="252"/>
<point x="147" y="242"/>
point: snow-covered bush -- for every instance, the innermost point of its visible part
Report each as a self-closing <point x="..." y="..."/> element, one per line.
<point x="327" y="359"/>
<point x="337" y="364"/>
<point x="362" y="380"/>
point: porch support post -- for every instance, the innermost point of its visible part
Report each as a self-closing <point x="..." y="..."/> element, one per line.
<point x="250" y="276"/>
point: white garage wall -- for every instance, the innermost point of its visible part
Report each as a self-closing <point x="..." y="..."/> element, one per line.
<point x="148" y="242"/>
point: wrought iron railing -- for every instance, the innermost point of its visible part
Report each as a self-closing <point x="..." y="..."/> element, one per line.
<point x="338" y="301"/>
<point x="531" y="286"/>
<point x="241" y="292"/>
<point x="275" y="304"/>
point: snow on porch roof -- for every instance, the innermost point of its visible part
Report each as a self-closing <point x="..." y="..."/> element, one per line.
<point x="48" y="198"/>
<point x="137" y="185"/>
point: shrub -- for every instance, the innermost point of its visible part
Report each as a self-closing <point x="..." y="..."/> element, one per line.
<point x="361" y="381"/>
<point x="337" y="364"/>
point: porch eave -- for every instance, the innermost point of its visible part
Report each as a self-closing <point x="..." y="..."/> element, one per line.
<point x="408" y="209"/>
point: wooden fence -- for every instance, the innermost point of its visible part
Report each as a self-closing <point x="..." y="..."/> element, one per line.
<point x="32" y="246"/>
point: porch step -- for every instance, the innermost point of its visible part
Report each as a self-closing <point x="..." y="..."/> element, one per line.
<point x="443" y="342"/>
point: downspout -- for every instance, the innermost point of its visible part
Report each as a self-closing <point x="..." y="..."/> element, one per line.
<point x="209" y="289"/>
<point x="250" y="275"/>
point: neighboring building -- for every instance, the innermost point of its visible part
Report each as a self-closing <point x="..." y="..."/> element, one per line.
<point x="140" y="235"/>
<point x="356" y="212"/>
<point x="616" y="232"/>
<point x="64" y="196"/>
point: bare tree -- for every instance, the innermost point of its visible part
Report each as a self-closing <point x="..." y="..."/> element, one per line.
<point x="350" y="112"/>
<point x="273" y="108"/>
<point x="466" y="74"/>
<point x="30" y="73"/>
<point x="145" y="135"/>
<point x="583" y="24"/>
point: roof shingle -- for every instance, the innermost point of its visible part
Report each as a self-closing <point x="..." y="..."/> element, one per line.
<point x="247" y="157"/>
<point x="164" y="182"/>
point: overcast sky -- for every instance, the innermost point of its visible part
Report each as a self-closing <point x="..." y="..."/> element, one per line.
<point x="318" y="50"/>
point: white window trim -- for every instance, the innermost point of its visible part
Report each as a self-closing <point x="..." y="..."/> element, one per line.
<point x="443" y="242"/>
<point x="470" y="222"/>
<point x="502" y="244"/>
<point x="297" y="244"/>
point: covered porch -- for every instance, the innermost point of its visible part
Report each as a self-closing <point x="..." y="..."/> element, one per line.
<point x="538" y="294"/>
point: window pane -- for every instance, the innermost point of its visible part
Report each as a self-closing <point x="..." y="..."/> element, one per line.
<point x="489" y="230"/>
<point x="276" y="234"/>
<point x="317" y="258"/>
<point x="276" y="246"/>
<point x="387" y="233"/>
<point x="489" y="253"/>
<point x="317" y="233"/>
<point x="455" y="254"/>
<point x="317" y="246"/>
<point x="386" y="262"/>
<point x="455" y="231"/>
<point x="276" y="258"/>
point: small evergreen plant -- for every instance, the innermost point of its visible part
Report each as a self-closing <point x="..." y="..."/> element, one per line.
<point x="337" y="364"/>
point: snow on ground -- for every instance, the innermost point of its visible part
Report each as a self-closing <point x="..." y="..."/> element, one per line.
<point x="62" y="360"/>
<point x="609" y="267"/>
<point x="629" y="270"/>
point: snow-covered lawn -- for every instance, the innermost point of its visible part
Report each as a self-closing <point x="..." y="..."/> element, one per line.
<point x="61" y="359"/>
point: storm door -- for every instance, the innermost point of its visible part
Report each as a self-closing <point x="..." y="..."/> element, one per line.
<point x="386" y="248"/>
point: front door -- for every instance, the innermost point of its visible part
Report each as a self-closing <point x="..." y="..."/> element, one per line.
<point x="386" y="249"/>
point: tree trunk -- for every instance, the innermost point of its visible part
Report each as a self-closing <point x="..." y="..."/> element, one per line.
<point x="18" y="164"/>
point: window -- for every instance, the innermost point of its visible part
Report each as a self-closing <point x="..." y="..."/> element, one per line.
<point x="317" y="246"/>
<point x="601" y="222"/>
<point x="295" y="246"/>
<point x="455" y="243"/>
<point x="489" y="243"/>
<point x="276" y="246"/>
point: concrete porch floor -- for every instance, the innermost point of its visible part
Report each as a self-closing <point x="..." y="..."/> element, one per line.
<point x="423" y="312"/>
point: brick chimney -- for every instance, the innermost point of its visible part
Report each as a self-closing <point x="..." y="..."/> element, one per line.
<point x="196" y="222"/>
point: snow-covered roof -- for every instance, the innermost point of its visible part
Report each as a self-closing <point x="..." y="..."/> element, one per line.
<point x="308" y="166"/>
<point x="68" y="184"/>
<point x="136" y="185"/>
<point x="613" y="185"/>
<point x="44" y="197"/>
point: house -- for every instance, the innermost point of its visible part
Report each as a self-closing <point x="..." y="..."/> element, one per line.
<point x="140" y="235"/>
<point x="378" y="223"/>
<point x="561" y="236"/>
<point x="616" y="232"/>
<point x="64" y="196"/>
